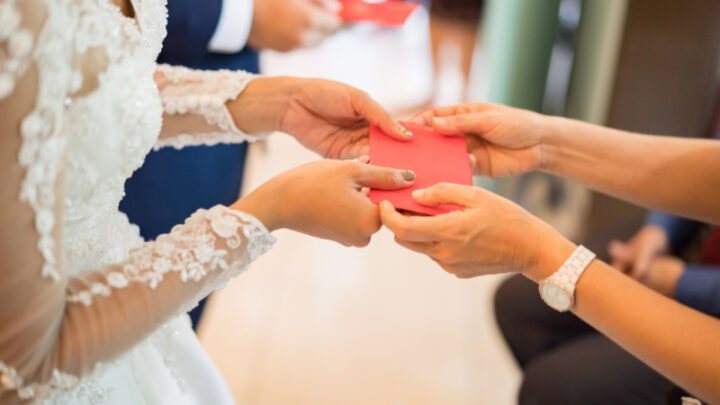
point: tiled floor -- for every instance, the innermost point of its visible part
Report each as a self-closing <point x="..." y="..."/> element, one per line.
<point x="313" y="322"/>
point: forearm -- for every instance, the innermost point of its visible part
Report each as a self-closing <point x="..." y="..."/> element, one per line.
<point x="675" y="175"/>
<point x="209" y="107"/>
<point x="675" y="340"/>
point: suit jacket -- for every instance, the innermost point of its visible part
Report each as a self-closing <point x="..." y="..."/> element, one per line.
<point x="172" y="184"/>
<point x="191" y="25"/>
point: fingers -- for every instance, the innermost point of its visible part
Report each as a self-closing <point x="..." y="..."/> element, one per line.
<point x="324" y="23"/>
<point x="364" y="159"/>
<point x="383" y="178"/>
<point x="420" y="247"/>
<point x="426" y="117"/>
<point x="457" y="125"/>
<point x="448" y="193"/>
<point x="409" y="228"/>
<point x="371" y="110"/>
<point x="642" y="262"/>
<point x="619" y="252"/>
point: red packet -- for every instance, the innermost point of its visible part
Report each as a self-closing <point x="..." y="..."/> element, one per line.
<point x="435" y="158"/>
<point x="386" y="13"/>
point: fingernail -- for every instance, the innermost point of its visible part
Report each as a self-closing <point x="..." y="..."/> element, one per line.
<point x="418" y="194"/>
<point x="408" y="175"/>
<point x="405" y="131"/>
<point x="440" y="121"/>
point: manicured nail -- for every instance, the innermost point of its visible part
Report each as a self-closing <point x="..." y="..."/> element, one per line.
<point x="418" y="194"/>
<point x="408" y="175"/>
<point x="405" y="131"/>
<point x="439" y="121"/>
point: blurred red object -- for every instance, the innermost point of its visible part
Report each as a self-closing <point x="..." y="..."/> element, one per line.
<point x="387" y="13"/>
<point x="434" y="158"/>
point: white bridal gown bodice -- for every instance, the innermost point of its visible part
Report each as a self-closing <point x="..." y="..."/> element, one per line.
<point x="90" y="314"/>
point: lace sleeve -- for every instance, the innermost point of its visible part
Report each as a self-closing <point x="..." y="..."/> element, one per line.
<point x="55" y="326"/>
<point x="194" y="106"/>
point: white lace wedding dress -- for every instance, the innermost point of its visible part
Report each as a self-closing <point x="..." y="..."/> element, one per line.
<point x="89" y="314"/>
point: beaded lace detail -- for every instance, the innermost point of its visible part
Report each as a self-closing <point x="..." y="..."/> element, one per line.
<point x="91" y="128"/>
<point x="204" y="244"/>
<point x="204" y="93"/>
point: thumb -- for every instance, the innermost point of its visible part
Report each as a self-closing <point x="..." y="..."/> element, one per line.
<point x="383" y="178"/>
<point x="376" y="115"/>
<point x="448" y="193"/>
<point x="457" y="125"/>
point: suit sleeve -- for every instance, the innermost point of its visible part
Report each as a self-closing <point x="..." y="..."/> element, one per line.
<point x="699" y="288"/>
<point x="191" y="26"/>
<point x="679" y="230"/>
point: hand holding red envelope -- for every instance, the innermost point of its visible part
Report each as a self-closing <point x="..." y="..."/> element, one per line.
<point x="387" y="13"/>
<point x="434" y="157"/>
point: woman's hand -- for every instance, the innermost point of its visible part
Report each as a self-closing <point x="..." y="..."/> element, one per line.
<point x="501" y="140"/>
<point x="326" y="199"/>
<point x="284" y="25"/>
<point x="327" y="117"/>
<point x="488" y="235"/>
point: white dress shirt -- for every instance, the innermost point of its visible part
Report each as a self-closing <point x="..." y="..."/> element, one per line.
<point x="233" y="29"/>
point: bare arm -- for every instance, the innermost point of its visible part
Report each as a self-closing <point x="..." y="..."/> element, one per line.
<point x="492" y="235"/>
<point x="675" y="175"/>
<point x="677" y="341"/>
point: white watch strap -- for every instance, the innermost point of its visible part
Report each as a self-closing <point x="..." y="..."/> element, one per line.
<point x="570" y="272"/>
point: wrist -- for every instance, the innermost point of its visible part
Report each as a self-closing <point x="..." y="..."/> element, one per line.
<point x="550" y="254"/>
<point x="263" y="207"/>
<point x="552" y="133"/>
<point x="262" y="105"/>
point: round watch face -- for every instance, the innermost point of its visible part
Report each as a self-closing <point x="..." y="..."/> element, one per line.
<point x="555" y="296"/>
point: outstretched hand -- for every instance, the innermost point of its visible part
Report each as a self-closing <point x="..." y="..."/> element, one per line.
<point x="326" y="199"/>
<point x="488" y="235"/>
<point x="501" y="140"/>
<point x="327" y="117"/>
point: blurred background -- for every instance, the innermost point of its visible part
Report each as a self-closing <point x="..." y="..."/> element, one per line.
<point x="315" y="323"/>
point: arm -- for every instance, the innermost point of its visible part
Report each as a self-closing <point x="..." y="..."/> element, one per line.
<point x="629" y="166"/>
<point x="674" y="175"/>
<point x="55" y="326"/>
<point x="208" y="107"/>
<point x="492" y="235"/>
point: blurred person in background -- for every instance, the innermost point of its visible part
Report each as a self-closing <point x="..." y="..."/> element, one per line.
<point x="215" y="34"/>
<point x="547" y="344"/>
<point x="453" y="32"/>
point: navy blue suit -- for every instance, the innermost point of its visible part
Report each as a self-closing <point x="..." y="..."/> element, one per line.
<point x="172" y="184"/>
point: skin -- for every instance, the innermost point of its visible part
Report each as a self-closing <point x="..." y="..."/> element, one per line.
<point x="315" y="199"/>
<point x="490" y="234"/>
<point x="634" y="256"/>
<point x="284" y="25"/>
<point x="327" y="117"/>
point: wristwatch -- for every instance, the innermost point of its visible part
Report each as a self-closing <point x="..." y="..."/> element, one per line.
<point x="558" y="290"/>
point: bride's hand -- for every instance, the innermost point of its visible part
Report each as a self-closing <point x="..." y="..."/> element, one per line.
<point x="501" y="140"/>
<point x="326" y="199"/>
<point x="327" y="117"/>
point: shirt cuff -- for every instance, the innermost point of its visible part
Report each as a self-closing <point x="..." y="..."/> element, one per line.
<point x="699" y="288"/>
<point x="233" y="29"/>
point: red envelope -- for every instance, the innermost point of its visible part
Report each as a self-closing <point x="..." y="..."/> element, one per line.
<point x="435" y="158"/>
<point x="387" y="13"/>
